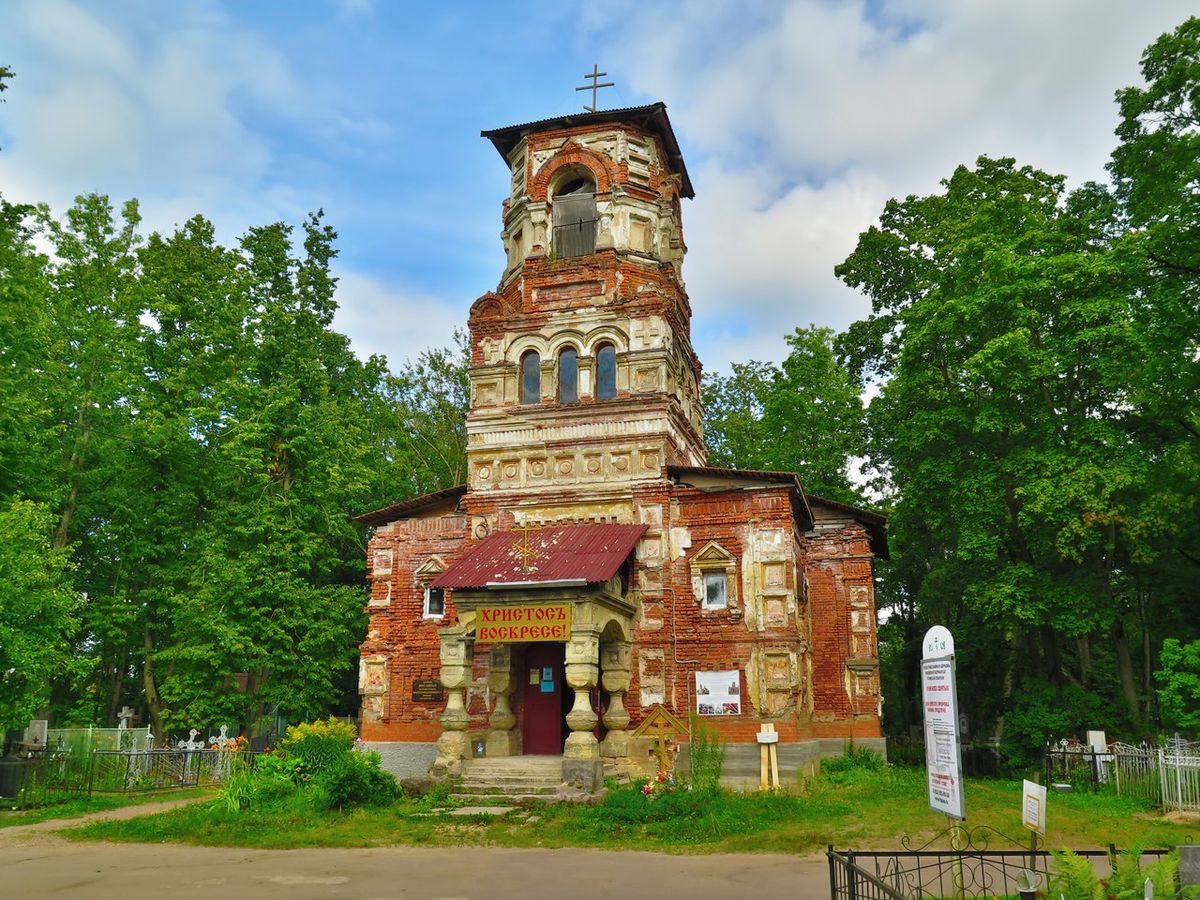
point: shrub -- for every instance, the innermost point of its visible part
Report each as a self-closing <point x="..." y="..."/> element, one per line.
<point x="707" y="755"/>
<point x="320" y="744"/>
<point x="248" y="788"/>
<point x="355" y="779"/>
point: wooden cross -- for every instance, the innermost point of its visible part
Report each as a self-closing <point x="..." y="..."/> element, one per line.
<point x="595" y="75"/>
<point x="662" y="725"/>
<point x="524" y="550"/>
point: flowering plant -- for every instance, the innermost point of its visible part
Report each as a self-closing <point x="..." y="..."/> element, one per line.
<point x="661" y="783"/>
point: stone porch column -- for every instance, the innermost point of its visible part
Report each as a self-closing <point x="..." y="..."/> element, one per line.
<point x="454" y="745"/>
<point x="581" y="756"/>
<point x="501" y="739"/>
<point x="615" y="667"/>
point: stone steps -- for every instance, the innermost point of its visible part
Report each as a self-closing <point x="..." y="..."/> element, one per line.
<point x="517" y="779"/>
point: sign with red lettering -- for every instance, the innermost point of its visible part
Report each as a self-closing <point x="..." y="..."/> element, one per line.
<point x="521" y="624"/>
<point x="939" y="698"/>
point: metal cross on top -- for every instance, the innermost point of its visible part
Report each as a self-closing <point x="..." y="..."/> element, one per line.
<point x="524" y="550"/>
<point x="595" y="75"/>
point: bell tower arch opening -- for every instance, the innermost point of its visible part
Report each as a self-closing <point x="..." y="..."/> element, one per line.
<point x="573" y="212"/>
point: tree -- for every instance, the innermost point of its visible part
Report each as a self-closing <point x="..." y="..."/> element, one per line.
<point x="1001" y="320"/>
<point x="38" y="611"/>
<point x="804" y="416"/>
<point x="1179" y="681"/>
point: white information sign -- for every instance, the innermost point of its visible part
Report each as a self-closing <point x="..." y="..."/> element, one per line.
<point x="939" y="699"/>
<point x="719" y="693"/>
<point x="1033" y="807"/>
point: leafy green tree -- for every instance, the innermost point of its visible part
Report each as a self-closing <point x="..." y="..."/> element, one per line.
<point x="1179" y="684"/>
<point x="805" y="416"/>
<point x="38" y="610"/>
<point x="1001" y="322"/>
<point x="426" y="409"/>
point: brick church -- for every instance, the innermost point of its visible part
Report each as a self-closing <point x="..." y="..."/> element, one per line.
<point x="593" y="566"/>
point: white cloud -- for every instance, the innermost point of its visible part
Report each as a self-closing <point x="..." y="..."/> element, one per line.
<point x="391" y="320"/>
<point x="806" y="119"/>
<point x="150" y="114"/>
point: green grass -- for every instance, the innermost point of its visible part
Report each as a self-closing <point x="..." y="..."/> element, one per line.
<point x="82" y="806"/>
<point x="859" y="809"/>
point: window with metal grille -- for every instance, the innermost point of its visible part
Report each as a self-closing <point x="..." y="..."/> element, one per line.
<point x="575" y="218"/>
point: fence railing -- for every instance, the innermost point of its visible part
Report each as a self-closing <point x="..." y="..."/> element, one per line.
<point x="43" y="777"/>
<point x="155" y="770"/>
<point x="1166" y="776"/>
<point x="50" y="776"/>
<point x="970" y="867"/>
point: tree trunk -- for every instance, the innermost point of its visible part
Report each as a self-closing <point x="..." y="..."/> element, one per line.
<point x="1084" y="648"/>
<point x="1125" y="666"/>
<point x="153" y="702"/>
<point x="1147" y="659"/>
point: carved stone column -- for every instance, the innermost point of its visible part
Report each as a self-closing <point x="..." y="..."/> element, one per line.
<point x="615" y="669"/>
<point x="581" y="756"/>
<point x="501" y="739"/>
<point x="454" y="745"/>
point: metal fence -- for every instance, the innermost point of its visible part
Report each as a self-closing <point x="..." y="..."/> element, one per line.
<point x="154" y="770"/>
<point x="50" y="776"/>
<point x="1179" y="775"/>
<point x="44" y="776"/>
<point x="1166" y="776"/>
<point x="971" y="867"/>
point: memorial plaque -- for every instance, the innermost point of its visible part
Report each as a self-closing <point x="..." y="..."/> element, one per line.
<point x="427" y="690"/>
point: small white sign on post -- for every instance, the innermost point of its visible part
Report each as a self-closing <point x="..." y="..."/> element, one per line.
<point x="939" y="699"/>
<point x="1033" y="807"/>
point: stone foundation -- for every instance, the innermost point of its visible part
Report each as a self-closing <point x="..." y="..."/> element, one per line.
<point x="801" y="759"/>
<point x="404" y="759"/>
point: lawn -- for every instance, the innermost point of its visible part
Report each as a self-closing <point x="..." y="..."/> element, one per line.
<point x="857" y="809"/>
<point x="82" y="806"/>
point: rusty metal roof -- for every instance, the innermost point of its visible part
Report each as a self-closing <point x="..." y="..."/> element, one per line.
<point x="652" y="118"/>
<point x="587" y="553"/>
<point x="410" y="506"/>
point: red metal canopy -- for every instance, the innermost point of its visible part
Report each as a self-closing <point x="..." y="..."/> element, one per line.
<point x="584" y="553"/>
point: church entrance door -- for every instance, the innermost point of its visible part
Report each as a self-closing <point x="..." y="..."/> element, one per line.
<point x="543" y="729"/>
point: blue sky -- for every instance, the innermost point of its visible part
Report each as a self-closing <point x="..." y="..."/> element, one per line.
<point x="798" y="119"/>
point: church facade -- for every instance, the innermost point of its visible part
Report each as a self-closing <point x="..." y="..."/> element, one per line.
<point x="593" y="566"/>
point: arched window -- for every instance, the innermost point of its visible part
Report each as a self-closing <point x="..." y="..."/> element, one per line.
<point x="575" y="215"/>
<point x="568" y="376"/>
<point x="606" y="372"/>
<point x="531" y="378"/>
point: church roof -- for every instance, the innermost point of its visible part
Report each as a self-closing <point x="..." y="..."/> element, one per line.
<point x="556" y="554"/>
<point x="411" y="505"/>
<point x="716" y="474"/>
<point x="712" y="478"/>
<point x="652" y="118"/>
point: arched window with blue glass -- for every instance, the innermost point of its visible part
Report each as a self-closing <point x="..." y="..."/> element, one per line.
<point x="606" y="372"/>
<point x="531" y="378"/>
<point x="568" y="375"/>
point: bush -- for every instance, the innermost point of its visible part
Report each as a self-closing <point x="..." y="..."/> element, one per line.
<point x="707" y="755"/>
<point x="355" y="779"/>
<point x="318" y="745"/>
<point x="248" y="788"/>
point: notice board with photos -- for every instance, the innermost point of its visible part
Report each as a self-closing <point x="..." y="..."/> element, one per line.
<point x="719" y="693"/>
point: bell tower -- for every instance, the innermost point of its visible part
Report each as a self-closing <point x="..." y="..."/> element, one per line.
<point x="583" y="375"/>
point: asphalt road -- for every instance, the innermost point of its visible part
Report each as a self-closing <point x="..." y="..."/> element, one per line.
<point x="34" y="863"/>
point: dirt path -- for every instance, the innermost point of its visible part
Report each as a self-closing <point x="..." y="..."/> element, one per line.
<point x="17" y="833"/>
<point x="45" y="866"/>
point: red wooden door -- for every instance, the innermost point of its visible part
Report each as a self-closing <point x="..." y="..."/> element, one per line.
<point x="544" y="725"/>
